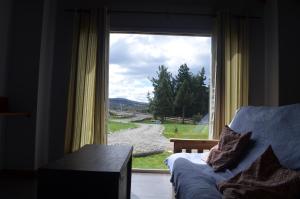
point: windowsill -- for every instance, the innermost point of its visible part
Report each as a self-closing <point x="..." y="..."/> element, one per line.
<point x="162" y="171"/>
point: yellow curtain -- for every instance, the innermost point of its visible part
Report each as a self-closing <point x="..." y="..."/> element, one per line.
<point x="230" y="69"/>
<point x="236" y="66"/>
<point x="102" y="73"/>
<point x="86" y="101"/>
<point x="216" y="121"/>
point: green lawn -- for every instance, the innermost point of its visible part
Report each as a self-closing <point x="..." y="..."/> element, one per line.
<point x="151" y="162"/>
<point x="117" y="126"/>
<point x="187" y="131"/>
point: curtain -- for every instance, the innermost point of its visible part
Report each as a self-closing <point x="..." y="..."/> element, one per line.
<point x="230" y="66"/>
<point x="87" y="110"/>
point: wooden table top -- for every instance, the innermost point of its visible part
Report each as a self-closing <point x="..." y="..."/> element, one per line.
<point x="93" y="158"/>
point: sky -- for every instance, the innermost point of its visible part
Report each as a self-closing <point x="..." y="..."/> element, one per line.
<point x="134" y="60"/>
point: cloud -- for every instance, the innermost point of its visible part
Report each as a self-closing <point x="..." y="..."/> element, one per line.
<point x="134" y="58"/>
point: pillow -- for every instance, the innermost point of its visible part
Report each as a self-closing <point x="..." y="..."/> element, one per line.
<point x="264" y="179"/>
<point x="230" y="148"/>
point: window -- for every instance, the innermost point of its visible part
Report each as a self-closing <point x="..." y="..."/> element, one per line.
<point x="158" y="88"/>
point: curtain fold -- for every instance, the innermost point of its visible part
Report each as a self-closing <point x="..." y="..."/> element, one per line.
<point x="102" y="74"/>
<point x="86" y="100"/>
<point x="230" y="66"/>
<point x="217" y="80"/>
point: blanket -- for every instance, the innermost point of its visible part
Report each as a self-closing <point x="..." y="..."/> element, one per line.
<point x="264" y="179"/>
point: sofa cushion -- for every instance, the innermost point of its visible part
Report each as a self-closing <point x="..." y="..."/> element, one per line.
<point x="196" y="181"/>
<point x="275" y="126"/>
<point x="265" y="178"/>
<point x="231" y="146"/>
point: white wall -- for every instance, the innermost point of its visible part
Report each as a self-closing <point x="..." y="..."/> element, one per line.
<point x="60" y="82"/>
<point x="256" y="63"/>
<point x="288" y="49"/>
<point x="44" y="83"/>
<point x="271" y="53"/>
<point x="282" y="52"/>
<point x="5" y="21"/>
<point x="22" y="83"/>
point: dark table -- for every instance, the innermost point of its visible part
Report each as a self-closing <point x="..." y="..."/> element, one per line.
<point x="95" y="171"/>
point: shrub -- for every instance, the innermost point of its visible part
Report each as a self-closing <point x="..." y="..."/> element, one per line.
<point x="197" y="118"/>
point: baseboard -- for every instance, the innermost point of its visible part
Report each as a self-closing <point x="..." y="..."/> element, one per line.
<point x="18" y="173"/>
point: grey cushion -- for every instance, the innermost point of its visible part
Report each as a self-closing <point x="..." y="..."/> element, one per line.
<point x="195" y="181"/>
<point x="277" y="126"/>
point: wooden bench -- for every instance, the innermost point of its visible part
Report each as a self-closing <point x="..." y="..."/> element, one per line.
<point x="192" y="144"/>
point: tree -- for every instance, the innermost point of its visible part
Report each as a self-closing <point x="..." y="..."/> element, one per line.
<point x="162" y="102"/>
<point x="183" y="75"/>
<point x="186" y="94"/>
<point x="150" y="100"/>
<point x="183" y="98"/>
<point x="200" y="94"/>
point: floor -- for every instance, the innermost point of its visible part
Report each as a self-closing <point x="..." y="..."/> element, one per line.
<point x="151" y="186"/>
<point x="17" y="188"/>
<point x="143" y="186"/>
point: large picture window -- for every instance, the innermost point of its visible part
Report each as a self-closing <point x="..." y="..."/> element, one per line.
<point x="158" y="89"/>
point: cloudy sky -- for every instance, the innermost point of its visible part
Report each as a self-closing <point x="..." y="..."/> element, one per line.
<point x="134" y="59"/>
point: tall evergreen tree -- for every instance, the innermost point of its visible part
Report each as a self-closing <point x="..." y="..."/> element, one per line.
<point x="183" y="75"/>
<point x="183" y="98"/>
<point x="200" y="94"/>
<point x="162" y="102"/>
<point x="185" y="95"/>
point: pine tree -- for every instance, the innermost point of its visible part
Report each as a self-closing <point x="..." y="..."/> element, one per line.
<point x="183" y="75"/>
<point x="162" y="102"/>
<point x="183" y="98"/>
<point x="200" y="94"/>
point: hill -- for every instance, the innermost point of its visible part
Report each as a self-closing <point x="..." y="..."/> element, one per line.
<point x="122" y="104"/>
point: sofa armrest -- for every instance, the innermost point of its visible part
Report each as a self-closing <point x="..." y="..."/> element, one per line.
<point x="189" y="144"/>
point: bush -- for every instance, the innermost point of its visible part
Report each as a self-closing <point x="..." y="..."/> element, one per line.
<point x="176" y="130"/>
<point x="197" y="118"/>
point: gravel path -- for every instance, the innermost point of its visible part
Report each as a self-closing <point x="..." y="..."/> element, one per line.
<point x="146" y="139"/>
<point x="136" y="117"/>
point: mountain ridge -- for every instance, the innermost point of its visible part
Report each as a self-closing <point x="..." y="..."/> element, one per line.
<point x="123" y="104"/>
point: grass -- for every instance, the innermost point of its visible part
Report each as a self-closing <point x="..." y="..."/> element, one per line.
<point x="187" y="131"/>
<point x="151" y="162"/>
<point x="114" y="126"/>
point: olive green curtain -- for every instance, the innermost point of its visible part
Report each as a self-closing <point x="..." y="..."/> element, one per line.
<point x="230" y="67"/>
<point x="87" y="110"/>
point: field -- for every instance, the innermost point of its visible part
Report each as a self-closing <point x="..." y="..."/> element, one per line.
<point x="171" y="130"/>
<point x="188" y="131"/>
<point x="179" y="130"/>
<point x="114" y="126"/>
<point x="151" y="162"/>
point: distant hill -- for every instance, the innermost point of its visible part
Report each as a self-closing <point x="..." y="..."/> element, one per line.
<point x="122" y="104"/>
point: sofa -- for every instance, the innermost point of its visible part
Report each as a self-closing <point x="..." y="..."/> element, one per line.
<point x="193" y="178"/>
